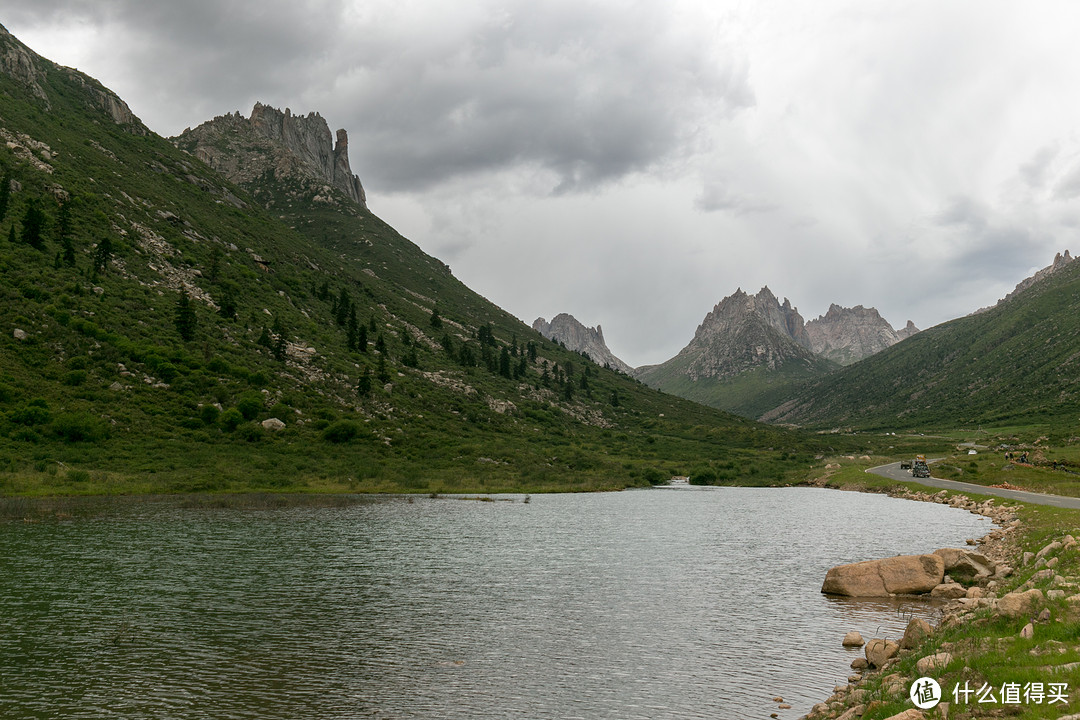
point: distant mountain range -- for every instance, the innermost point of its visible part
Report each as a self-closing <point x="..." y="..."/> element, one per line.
<point x="749" y="350"/>
<point x="566" y="329"/>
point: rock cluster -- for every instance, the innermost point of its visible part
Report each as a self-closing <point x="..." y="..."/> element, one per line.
<point x="983" y="571"/>
<point x="576" y="337"/>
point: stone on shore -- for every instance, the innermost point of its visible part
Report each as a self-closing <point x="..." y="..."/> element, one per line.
<point x="879" y="651"/>
<point x="916" y="631"/>
<point x="853" y="639"/>
<point x="949" y="591"/>
<point x="911" y="714"/>
<point x="1019" y="604"/>
<point x="900" y="575"/>
<point x="938" y="661"/>
<point x="965" y="563"/>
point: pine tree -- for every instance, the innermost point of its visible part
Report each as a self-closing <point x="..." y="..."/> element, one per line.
<point x="228" y="306"/>
<point x="11" y="234"/>
<point x="344" y="304"/>
<point x="279" y="346"/>
<point x="5" y="194"/>
<point x="264" y="338"/>
<point x="361" y="338"/>
<point x="504" y="363"/>
<point x="33" y="226"/>
<point x="101" y="256"/>
<point x="435" y="320"/>
<point x="363" y="387"/>
<point x="186" y="321"/>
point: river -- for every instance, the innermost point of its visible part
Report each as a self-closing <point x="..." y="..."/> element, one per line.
<point x="663" y="603"/>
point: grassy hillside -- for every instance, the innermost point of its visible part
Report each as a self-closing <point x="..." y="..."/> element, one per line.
<point x="1018" y="362"/>
<point x="155" y="315"/>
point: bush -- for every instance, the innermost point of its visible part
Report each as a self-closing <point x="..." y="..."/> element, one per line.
<point x="654" y="476"/>
<point x="341" y="431"/>
<point x="209" y="414"/>
<point x="250" y="405"/>
<point x="33" y="413"/>
<point x="80" y="427"/>
<point x="230" y="419"/>
<point x="75" y="377"/>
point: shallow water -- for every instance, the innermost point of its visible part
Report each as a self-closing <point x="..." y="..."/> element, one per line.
<point x="666" y="603"/>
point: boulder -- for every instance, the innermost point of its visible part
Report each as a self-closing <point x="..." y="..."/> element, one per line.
<point x="1028" y="631"/>
<point x="938" y="661"/>
<point x="273" y="424"/>
<point x="949" y="591"/>
<point x="911" y="714"/>
<point x="19" y="334"/>
<point x="1051" y="548"/>
<point x="1019" y="604"/>
<point x="916" y="631"/>
<point x="879" y="651"/>
<point x="965" y="563"/>
<point x="855" y="639"/>
<point x="900" y="575"/>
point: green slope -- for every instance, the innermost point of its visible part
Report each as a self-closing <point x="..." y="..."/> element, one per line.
<point x="1018" y="362"/>
<point x="100" y="391"/>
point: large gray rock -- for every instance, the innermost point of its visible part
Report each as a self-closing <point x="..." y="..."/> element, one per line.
<point x="900" y="575"/>
<point x="847" y="335"/>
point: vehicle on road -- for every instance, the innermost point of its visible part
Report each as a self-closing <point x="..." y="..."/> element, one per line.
<point x="919" y="468"/>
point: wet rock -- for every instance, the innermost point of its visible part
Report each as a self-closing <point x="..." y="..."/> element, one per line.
<point x="853" y="639"/>
<point x="949" y="591"/>
<point x="900" y="575"/>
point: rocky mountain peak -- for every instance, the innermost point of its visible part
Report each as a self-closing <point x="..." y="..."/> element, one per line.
<point x="570" y="332"/>
<point x="298" y="147"/>
<point x="847" y="335"/>
<point x="31" y="71"/>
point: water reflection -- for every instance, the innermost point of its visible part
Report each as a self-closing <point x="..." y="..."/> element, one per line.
<point x="644" y="604"/>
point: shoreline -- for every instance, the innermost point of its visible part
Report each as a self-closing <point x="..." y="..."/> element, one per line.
<point x="870" y="692"/>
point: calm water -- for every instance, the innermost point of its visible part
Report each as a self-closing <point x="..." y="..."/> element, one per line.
<point x="672" y="603"/>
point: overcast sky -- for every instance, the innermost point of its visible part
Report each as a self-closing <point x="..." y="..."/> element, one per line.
<point x="632" y="163"/>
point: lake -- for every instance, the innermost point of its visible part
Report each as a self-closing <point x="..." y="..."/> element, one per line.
<point x="663" y="603"/>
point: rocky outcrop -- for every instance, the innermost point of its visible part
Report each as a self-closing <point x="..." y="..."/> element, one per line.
<point x="31" y="71"/>
<point x="287" y="146"/>
<point x="1060" y="261"/>
<point x="847" y="335"/>
<point x="900" y="575"/>
<point x="566" y="329"/>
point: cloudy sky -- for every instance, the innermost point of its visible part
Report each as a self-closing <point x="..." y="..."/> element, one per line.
<point x="632" y="163"/>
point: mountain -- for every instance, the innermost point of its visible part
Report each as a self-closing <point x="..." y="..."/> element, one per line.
<point x="169" y="329"/>
<point x="287" y="147"/>
<point x="567" y="330"/>
<point x="1060" y="261"/>
<point x="847" y="335"/>
<point x="746" y="354"/>
<point x="1018" y="361"/>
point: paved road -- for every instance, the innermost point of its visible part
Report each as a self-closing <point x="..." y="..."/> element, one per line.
<point x="893" y="471"/>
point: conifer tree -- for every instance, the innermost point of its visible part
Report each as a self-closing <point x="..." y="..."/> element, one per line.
<point x="101" y="256"/>
<point x="504" y="363"/>
<point x="361" y="338"/>
<point x="363" y="387"/>
<point x="186" y="321"/>
<point x="435" y="319"/>
<point x="33" y="225"/>
<point x="5" y="194"/>
<point x="278" y="348"/>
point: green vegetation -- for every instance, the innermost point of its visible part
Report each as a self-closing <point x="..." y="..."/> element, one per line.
<point x="157" y="315"/>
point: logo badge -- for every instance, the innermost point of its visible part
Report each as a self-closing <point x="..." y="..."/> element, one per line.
<point x="925" y="693"/>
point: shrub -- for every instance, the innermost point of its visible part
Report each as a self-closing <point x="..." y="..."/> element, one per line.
<point x="250" y="405"/>
<point x="80" y="427"/>
<point x="251" y="432"/>
<point x="32" y="413"/>
<point x="230" y="419"/>
<point x="341" y="431"/>
<point x="654" y="476"/>
<point x="209" y="414"/>
<point x="75" y="377"/>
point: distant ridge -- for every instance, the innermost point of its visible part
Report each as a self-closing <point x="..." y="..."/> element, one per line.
<point x="1060" y="261"/>
<point x="847" y="335"/>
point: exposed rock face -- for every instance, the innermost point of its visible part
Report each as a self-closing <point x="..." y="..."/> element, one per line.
<point x="298" y="147"/>
<point x="900" y="575"/>
<point x="847" y="335"/>
<point x="31" y="71"/>
<point x="1060" y="261"/>
<point x="741" y="333"/>
<point x="566" y="329"/>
